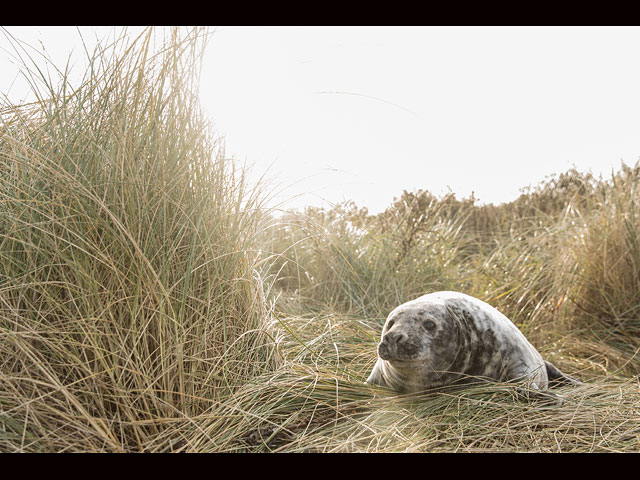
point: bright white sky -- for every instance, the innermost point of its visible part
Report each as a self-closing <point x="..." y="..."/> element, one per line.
<point x="488" y="110"/>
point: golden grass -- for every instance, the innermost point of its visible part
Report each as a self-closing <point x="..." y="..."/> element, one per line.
<point x="129" y="297"/>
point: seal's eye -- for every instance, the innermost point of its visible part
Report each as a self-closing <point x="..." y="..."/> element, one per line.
<point x="429" y="325"/>
<point x="390" y="324"/>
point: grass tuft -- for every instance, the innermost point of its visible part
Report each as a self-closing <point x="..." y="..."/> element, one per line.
<point x="129" y="299"/>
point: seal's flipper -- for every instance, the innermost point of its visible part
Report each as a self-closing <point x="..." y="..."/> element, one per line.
<point x="375" y="378"/>
<point x="532" y="392"/>
<point x="556" y="377"/>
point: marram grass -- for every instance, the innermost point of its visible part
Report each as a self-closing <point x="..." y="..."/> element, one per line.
<point x="150" y="303"/>
<point x="129" y="297"/>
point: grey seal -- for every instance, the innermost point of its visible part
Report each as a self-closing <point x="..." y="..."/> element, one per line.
<point x="448" y="338"/>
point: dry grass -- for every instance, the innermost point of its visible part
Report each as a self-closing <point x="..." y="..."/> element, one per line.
<point x="317" y="401"/>
<point x="129" y="298"/>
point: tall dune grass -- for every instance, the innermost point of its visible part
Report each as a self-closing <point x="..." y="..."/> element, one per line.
<point x="129" y="299"/>
<point x="324" y="260"/>
<point x="601" y="269"/>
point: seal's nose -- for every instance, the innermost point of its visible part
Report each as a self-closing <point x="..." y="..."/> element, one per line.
<point x="391" y="343"/>
<point x="394" y="338"/>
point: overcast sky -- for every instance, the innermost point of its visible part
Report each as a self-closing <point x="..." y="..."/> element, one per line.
<point x="361" y="113"/>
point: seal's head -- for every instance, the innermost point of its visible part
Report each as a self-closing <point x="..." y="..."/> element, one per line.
<point x="418" y="332"/>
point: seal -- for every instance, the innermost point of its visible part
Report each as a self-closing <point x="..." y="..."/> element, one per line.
<point x="448" y="338"/>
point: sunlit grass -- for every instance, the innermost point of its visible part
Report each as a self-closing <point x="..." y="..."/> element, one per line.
<point x="129" y="297"/>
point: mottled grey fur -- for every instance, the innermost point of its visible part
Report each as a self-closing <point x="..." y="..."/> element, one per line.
<point x="448" y="338"/>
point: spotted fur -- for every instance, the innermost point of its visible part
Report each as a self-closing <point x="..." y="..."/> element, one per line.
<point x="448" y="338"/>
